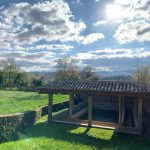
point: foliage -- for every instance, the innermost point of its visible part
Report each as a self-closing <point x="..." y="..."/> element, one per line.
<point x="142" y="75"/>
<point x="88" y="74"/>
<point x="68" y="70"/>
<point x="36" y="82"/>
<point x="11" y="75"/>
<point x="22" y="79"/>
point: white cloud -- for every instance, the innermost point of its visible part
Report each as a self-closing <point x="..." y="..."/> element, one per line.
<point x="49" y="21"/>
<point x="4" y="45"/>
<point x="51" y="47"/>
<point x="134" y="16"/>
<point x="133" y="31"/>
<point x="129" y="9"/>
<point x="91" y="38"/>
<point x="97" y="0"/>
<point x="103" y="68"/>
<point x="113" y="53"/>
<point x="99" y="23"/>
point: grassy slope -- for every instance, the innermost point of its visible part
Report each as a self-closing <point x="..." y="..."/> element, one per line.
<point x="16" y="101"/>
<point x="65" y="137"/>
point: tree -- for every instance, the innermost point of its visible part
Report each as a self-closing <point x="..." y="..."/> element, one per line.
<point x="67" y="69"/>
<point x="22" y="79"/>
<point x="1" y="78"/>
<point x="10" y="70"/>
<point x="142" y="75"/>
<point x="37" y="82"/>
<point x="88" y="74"/>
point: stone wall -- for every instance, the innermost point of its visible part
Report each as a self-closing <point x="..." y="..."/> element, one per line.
<point x="10" y="124"/>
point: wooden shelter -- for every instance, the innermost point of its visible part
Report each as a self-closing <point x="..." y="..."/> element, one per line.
<point x="122" y="97"/>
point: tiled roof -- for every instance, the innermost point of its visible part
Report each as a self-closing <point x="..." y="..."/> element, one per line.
<point x="96" y="87"/>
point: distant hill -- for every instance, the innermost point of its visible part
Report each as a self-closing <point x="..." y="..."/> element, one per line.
<point x="46" y="75"/>
<point x="126" y="76"/>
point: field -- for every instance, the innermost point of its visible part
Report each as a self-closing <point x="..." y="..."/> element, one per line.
<point x="16" y="101"/>
<point x="43" y="136"/>
<point x="55" y="136"/>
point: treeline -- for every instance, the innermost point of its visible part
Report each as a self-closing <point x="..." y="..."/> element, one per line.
<point x="12" y="76"/>
<point x="67" y="69"/>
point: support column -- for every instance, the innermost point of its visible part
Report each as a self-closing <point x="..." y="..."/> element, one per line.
<point x="135" y="113"/>
<point x="89" y="110"/>
<point x="140" y="113"/>
<point x="71" y="104"/>
<point x="50" y="105"/>
<point x="121" y="110"/>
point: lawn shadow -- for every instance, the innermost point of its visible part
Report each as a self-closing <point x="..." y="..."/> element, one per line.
<point x="63" y="132"/>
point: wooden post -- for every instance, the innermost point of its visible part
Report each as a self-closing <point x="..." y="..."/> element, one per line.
<point x="50" y="105"/>
<point x="89" y="110"/>
<point x="121" y="110"/>
<point x="135" y="113"/>
<point x="140" y="113"/>
<point x="71" y="104"/>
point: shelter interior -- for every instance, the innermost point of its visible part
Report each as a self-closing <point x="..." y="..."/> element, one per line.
<point x="121" y="113"/>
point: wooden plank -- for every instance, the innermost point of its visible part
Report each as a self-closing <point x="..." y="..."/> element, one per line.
<point x="89" y="110"/>
<point x="79" y="106"/>
<point x="131" y="130"/>
<point x="60" y="114"/>
<point x="71" y="104"/>
<point x="140" y="113"/>
<point x="102" y="125"/>
<point x="50" y="105"/>
<point x="78" y="114"/>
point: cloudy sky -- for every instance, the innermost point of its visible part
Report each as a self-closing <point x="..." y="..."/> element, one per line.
<point x="109" y="35"/>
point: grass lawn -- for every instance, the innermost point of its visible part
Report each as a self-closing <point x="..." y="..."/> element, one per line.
<point x="54" y="136"/>
<point x="16" y="101"/>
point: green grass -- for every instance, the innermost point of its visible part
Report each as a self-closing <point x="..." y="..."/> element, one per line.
<point x="54" y="136"/>
<point x="16" y="101"/>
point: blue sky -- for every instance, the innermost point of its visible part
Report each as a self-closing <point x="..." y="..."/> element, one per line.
<point x="108" y="35"/>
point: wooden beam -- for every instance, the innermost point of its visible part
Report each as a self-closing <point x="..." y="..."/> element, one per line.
<point x="78" y="107"/>
<point x="89" y="110"/>
<point x="71" y="104"/>
<point x="60" y="115"/>
<point x="79" y="113"/>
<point x="50" y="105"/>
<point x="140" y="113"/>
<point x="127" y="129"/>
